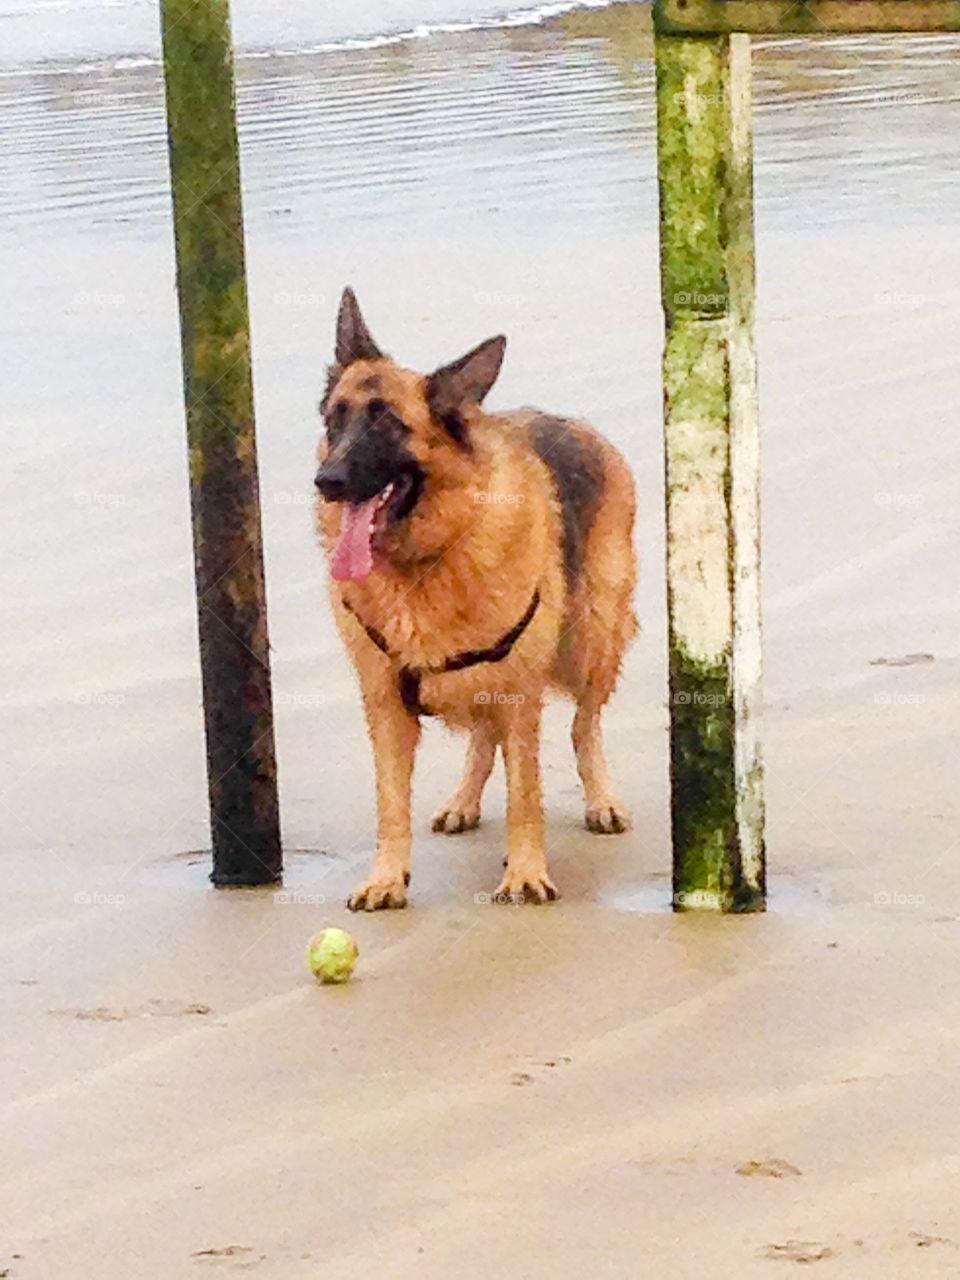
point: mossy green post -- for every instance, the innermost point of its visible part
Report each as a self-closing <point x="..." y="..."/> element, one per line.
<point x="712" y="470"/>
<point x="204" y="164"/>
<point x="806" y="17"/>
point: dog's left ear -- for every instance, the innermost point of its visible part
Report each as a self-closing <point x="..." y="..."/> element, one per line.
<point x="468" y="379"/>
<point x="465" y="382"/>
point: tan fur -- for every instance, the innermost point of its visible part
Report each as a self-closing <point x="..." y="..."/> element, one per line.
<point x="456" y="576"/>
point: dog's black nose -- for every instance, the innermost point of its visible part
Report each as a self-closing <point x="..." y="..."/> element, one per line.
<point x="332" y="482"/>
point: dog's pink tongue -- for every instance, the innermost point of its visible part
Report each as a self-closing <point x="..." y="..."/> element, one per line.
<point x="353" y="554"/>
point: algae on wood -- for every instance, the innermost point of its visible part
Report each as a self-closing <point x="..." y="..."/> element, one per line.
<point x="805" y="17"/>
<point x="218" y="390"/>
<point x="712" y="463"/>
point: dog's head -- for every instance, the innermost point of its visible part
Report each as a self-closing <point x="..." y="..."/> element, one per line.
<point x="393" y="438"/>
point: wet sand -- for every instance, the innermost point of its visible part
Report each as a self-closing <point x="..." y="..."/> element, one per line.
<point x="538" y="1093"/>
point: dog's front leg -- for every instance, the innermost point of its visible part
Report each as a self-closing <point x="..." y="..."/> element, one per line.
<point x="394" y="734"/>
<point x="526" y="868"/>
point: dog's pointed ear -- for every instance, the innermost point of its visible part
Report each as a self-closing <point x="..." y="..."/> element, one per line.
<point x="466" y="381"/>
<point x="353" y="337"/>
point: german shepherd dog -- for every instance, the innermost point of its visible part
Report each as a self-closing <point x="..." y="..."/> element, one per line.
<point x="476" y="560"/>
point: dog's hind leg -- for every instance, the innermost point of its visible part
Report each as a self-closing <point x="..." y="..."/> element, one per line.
<point x="462" y="810"/>
<point x="604" y="625"/>
<point x="605" y="814"/>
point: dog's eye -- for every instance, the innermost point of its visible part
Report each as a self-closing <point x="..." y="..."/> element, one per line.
<point x="336" y="418"/>
<point x="376" y="409"/>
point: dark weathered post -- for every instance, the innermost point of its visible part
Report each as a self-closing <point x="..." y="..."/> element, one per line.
<point x="218" y="388"/>
<point x="712" y="461"/>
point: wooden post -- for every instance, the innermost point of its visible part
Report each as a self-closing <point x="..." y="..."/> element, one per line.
<point x="218" y="389"/>
<point x="805" y="17"/>
<point x="712" y="470"/>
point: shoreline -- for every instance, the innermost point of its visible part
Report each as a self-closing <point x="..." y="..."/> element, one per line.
<point x="507" y="19"/>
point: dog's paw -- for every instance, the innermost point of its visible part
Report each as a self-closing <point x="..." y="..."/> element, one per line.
<point x="525" y="884"/>
<point x="380" y="893"/>
<point x="453" y="818"/>
<point x="608" y="817"/>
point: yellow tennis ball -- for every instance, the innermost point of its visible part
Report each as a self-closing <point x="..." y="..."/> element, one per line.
<point x="331" y="955"/>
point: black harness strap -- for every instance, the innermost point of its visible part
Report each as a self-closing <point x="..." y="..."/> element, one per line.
<point x="409" y="678"/>
<point x="408" y="683"/>
<point x="497" y="652"/>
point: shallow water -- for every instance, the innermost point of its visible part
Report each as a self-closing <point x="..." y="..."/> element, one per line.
<point x="79" y="32"/>
<point x="453" y="128"/>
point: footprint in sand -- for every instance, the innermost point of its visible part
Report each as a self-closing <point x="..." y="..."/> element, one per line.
<point x="908" y="660"/>
<point x="923" y="1241"/>
<point x="151" y="1009"/>
<point x="236" y="1255"/>
<point x="520" y="1078"/>
<point x="772" y="1168"/>
<point x="802" y="1251"/>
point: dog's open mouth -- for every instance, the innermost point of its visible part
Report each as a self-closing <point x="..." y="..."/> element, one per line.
<point x="364" y="525"/>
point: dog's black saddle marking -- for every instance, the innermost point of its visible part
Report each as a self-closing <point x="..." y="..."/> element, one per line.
<point x="409" y="678"/>
<point x="576" y="465"/>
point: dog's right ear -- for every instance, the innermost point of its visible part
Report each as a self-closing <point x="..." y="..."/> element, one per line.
<point x="466" y="382"/>
<point x="353" y="337"/>
<point x="468" y="379"/>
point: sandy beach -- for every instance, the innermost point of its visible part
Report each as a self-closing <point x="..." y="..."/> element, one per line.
<point x="595" y="1088"/>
